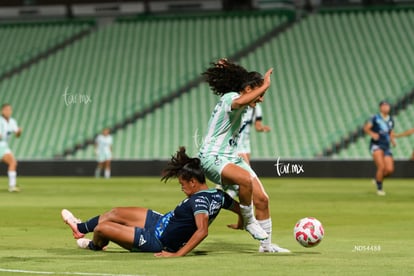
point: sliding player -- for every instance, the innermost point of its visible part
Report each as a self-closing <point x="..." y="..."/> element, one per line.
<point x="143" y="230"/>
<point x="8" y="127"/>
<point x="380" y="128"/>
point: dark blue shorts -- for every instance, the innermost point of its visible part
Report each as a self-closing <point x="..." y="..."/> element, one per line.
<point x="145" y="239"/>
<point x="386" y="150"/>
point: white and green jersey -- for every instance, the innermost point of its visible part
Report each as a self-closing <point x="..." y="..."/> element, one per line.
<point x="7" y="129"/>
<point x="224" y="128"/>
<point x="103" y="144"/>
<point x="250" y="117"/>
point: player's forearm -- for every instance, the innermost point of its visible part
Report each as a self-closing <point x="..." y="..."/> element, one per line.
<point x="247" y="98"/>
<point x="195" y="240"/>
<point x="368" y="131"/>
<point x="405" y="133"/>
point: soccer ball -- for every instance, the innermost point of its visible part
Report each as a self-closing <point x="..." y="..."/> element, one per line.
<point x="308" y="232"/>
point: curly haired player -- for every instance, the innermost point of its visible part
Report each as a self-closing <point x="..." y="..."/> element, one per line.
<point x="219" y="157"/>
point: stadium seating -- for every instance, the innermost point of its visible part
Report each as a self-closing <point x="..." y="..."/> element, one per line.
<point x="20" y="42"/>
<point x="331" y="70"/>
<point x="122" y="68"/>
<point x="405" y="145"/>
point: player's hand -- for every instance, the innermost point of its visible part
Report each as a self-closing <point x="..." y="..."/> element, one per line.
<point x="235" y="226"/>
<point x="18" y="132"/>
<point x="267" y="76"/>
<point x="375" y="136"/>
<point x="164" y="254"/>
<point x="393" y="143"/>
<point x="265" y="128"/>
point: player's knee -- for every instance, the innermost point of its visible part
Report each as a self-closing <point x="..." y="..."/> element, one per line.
<point x="246" y="182"/>
<point x="113" y="213"/>
<point x="100" y="229"/>
<point x="388" y="171"/>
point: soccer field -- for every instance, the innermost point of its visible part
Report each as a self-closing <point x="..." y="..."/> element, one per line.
<point x="364" y="234"/>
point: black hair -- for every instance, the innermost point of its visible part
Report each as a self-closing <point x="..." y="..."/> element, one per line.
<point x="5" y="105"/>
<point x="225" y="76"/>
<point x="255" y="79"/>
<point x="181" y="165"/>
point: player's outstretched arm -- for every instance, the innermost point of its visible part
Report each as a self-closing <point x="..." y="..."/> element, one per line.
<point x="247" y="98"/>
<point x="392" y="136"/>
<point x="405" y="133"/>
<point x="199" y="235"/>
<point x="236" y="209"/>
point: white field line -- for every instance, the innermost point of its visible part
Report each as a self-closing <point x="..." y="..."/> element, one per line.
<point x="61" y="273"/>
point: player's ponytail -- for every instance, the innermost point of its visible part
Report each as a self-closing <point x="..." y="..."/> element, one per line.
<point x="181" y="165"/>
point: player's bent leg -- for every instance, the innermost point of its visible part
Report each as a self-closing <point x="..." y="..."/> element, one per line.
<point x="11" y="162"/>
<point x="110" y="231"/>
<point x="233" y="174"/>
<point x="130" y="216"/>
<point x="260" y="200"/>
<point x="107" y="171"/>
<point x="378" y="156"/>
<point x="389" y="165"/>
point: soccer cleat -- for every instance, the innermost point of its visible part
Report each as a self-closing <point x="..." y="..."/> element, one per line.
<point x="83" y="243"/>
<point x="72" y="221"/>
<point x="14" y="189"/>
<point x="273" y="248"/>
<point x="381" y="192"/>
<point x="256" y="231"/>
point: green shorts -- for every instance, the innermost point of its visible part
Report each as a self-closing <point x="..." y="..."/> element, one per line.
<point x="104" y="156"/>
<point x="213" y="165"/>
<point x="4" y="149"/>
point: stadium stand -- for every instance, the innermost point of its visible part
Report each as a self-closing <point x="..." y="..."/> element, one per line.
<point x="121" y="68"/>
<point x="23" y="41"/>
<point x="331" y="70"/>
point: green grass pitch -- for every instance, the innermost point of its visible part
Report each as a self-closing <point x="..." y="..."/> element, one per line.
<point x="364" y="234"/>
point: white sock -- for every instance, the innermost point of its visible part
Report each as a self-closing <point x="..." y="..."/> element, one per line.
<point x="266" y="224"/>
<point x="107" y="173"/>
<point x="247" y="214"/>
<point x="12" y="178"/>
<point x="98" y="172"/>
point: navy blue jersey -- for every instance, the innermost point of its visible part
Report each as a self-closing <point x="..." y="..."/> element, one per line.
<point x="176" y="227"/>
<point x="383" y="127"/>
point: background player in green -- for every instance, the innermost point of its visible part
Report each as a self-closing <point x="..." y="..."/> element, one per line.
<point x="8" y="127"/>
<point x="103" y="150"/>
<point x="252" y="117"/>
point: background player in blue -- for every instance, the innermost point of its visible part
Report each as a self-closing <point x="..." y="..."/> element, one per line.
<point x="380" y="128"/>
<point x="8" y="127"/>
<point x="173" y="234"/>
<point x="103" y="149"/>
